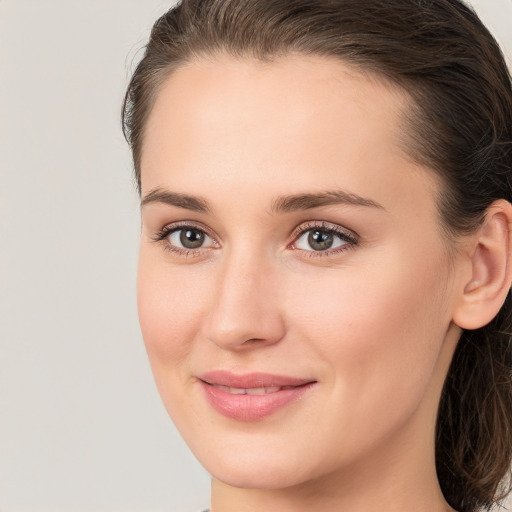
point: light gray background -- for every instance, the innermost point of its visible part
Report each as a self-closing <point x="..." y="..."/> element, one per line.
<point x="81" y="425"/>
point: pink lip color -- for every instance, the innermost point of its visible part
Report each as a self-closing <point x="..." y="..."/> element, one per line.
<point x="251" y="407"/>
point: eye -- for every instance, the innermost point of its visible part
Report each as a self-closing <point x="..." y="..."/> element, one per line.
<point x="319" y="240"/>
<point x="183" y="239"/>
<point x="189" y="238"/>
<point x="327" y="238"/>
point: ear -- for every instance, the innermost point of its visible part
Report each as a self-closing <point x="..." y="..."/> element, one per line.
<point x="490" y="254"/>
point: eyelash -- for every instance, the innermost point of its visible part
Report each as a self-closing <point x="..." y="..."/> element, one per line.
<point x="161" y="237"/>
<point x="350" y="238"/>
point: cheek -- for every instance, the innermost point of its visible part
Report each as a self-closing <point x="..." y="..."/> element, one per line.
<point x="169" y="305"/>
<point x="381" y="327"/>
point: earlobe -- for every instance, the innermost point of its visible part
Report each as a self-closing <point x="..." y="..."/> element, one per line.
<point x="491" y="269"/>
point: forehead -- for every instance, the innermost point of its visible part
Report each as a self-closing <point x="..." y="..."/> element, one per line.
<point x="223" y="91"/>
<point x="288" y="122"/>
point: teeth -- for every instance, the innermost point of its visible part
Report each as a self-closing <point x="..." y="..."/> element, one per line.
<point x="223" y="388"/>
<point x="255" y="391"/>
<point x="249" y="391"/>
<point x="236" y="391"/>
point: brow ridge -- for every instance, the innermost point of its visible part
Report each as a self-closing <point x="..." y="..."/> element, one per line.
<point x="282" y="204"/>
<point x="309" y="201"/>
<point x="188" y="202"/>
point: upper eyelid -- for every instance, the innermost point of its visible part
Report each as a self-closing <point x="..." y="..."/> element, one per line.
<point x="304" y="227"/>
<point x="177" y="226"/>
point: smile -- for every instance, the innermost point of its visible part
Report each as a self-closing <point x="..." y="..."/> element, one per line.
<point x="251" y="391"/>
<point x="251" y="397"/>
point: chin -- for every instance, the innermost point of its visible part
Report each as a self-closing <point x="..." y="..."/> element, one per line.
<point x="257" y="465"/>
<point x="256" y="476"/>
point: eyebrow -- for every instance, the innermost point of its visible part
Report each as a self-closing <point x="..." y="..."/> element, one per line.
<point x="282" y="204"/>
<point x="315" y="200"/>
<point x="159" y="195"/>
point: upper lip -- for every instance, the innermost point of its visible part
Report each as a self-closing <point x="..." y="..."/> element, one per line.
<point x="251" y="380"/>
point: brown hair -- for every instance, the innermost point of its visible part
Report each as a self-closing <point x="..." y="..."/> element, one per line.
<point x="460" y="126"/>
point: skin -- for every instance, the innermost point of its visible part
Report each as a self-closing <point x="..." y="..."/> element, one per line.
<point x="371" y="323"/>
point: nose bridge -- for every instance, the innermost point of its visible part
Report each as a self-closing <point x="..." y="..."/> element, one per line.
<point x="245" y="307"/>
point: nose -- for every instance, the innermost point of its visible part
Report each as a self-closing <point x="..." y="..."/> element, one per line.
<point x="246" y="310"/>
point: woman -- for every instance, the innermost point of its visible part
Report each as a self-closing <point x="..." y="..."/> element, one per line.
<point x="325" y="262"/>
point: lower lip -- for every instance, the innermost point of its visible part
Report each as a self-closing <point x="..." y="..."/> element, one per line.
<point x="251" y="407"/>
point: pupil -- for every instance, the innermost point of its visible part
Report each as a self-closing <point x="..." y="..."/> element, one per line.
<point x="191" y="238"/>
<point x="320" y="240"/>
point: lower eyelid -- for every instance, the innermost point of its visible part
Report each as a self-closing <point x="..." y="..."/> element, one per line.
<point x="328" y="252"/>
<point x="182" y="252"/>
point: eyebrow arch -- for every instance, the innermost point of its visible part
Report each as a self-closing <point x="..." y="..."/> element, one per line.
<point x="297" y="202"/>
<point x="159" y="195"/>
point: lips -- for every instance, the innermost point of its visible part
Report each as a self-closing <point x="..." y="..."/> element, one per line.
<point x="251" y="397"/>
<point x="248" y="391"/>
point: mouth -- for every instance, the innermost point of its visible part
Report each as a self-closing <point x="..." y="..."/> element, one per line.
<point x="251" y="391"/>
<point x="251" y="397"/>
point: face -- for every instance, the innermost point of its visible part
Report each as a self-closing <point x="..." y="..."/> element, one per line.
<point x="294" y="282"/>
